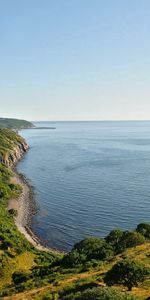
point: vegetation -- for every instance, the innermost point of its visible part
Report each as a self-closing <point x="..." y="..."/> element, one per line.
<point x="127" y="272"/>
<point x="144" y="229"/>
<point x="97" y="293"/>
<point x="121" y="240"/>
<point x="10" y="238"/>
<point x="95" y="268"/>
<point x="14" y="123"/>
<point x="87" y="250"/>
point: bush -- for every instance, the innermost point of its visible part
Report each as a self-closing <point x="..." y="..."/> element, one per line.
<point x="127" y="272"/>
<point x="114" y="238"/>
<point x="121" y="240"/>
<point x="88" y="249"/>
<point x="19" y="277"/>
<point x="48" y="296"/>
<point x="98" y="293"/>
<point x="144" y="229"/>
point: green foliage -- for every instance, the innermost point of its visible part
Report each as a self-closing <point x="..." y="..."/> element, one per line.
<point x="127" y="272"/>
<point x="121" y="240"/>
<point x="53" y="296"/>
<point x="10" y="237"/>
<point x="88" y="249"/>
<point x="97" y="293"/>
<point x="44" y="263"/>
<point x="5" y="173"/>
<point x="46" y="258"/>
<point x="92" y="264"/>
<point x="19" y="277"/>
<point x="114" y="238"/>
<point x="3" y="263"/>
<point x="144" y="229"/>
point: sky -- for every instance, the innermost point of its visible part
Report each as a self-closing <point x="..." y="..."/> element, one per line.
<point x="75" y="59"/>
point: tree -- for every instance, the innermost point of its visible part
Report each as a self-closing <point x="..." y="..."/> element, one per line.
<point x="127" y="272"/>
<point x="121" y="240"/>
<point x="114" y="238"/>
<point x="88" y="249"/>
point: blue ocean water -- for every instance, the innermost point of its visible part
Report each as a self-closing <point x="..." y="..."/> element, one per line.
<point x="88" y="177"/>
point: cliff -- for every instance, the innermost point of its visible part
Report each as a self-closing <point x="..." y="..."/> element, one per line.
<point x="12" y="147"/>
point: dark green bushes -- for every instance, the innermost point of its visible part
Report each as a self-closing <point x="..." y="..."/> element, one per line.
<point x="88" y="249"/>
<point x="102" y="249"/>
<point x="121" y="240"/>
<point x="19" y="277"/>
<point x="144" y="229"/>
<point x="128" y="272"/>
<point x="97" y="293"/>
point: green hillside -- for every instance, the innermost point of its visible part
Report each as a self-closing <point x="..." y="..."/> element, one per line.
<point x="116" y="267"/>
<point x="15" y="123"/>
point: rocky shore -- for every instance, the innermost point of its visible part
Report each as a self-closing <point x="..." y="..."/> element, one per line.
<point x="25" y="210"/>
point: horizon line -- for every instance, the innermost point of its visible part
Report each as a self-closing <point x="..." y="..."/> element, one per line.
<point x="105" y="120"/>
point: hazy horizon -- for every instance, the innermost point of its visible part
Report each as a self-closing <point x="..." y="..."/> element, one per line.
<point x="80" y="120"/>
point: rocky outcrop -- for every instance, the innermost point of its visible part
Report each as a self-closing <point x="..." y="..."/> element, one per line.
<point x="12" y="147"/>
<point x="11" y="157"/>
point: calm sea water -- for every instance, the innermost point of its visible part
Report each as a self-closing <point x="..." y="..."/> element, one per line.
<point x="89" y="178"/>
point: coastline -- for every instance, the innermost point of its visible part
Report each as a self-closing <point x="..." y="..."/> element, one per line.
<point x="25" y="210"/>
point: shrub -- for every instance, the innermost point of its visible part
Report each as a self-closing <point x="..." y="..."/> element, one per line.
<point x="127" y="272"/>
<point x="48" y="296"/>
<point x="121" y="240"/>
<point x="98" y="293"/>
<point x="88" y="249"/>
<point x="114" y="238"/>
<point x="19" y="277"/>
<point x="144" y="229"/>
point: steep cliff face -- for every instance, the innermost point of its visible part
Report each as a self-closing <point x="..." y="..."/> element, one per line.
<point x="11" y="157"/>
<point x="12" y="147"/>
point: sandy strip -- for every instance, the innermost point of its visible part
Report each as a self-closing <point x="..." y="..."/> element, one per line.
<point x="23" y="205"/>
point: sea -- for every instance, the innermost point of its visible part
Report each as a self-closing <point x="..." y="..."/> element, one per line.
<point x="88" y="178"/>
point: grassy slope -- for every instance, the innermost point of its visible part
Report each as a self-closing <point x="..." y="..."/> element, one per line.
<point x="141" y="252"/>
<point x="16" y="254"/>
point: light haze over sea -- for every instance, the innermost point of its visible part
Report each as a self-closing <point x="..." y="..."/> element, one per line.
<point x="88" y="178"/>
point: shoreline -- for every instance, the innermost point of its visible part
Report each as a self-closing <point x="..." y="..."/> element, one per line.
<point x="25" y="210"/>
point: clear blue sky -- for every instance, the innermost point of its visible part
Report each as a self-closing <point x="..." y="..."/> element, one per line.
<point x="75" y="59"/>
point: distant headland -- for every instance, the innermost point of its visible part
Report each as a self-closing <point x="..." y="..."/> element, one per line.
<point x="19" y="124"/>
<point x="15" y="123"/>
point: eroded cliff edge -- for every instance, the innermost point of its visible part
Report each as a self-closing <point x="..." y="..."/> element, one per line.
<point x="12" y="147"/>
